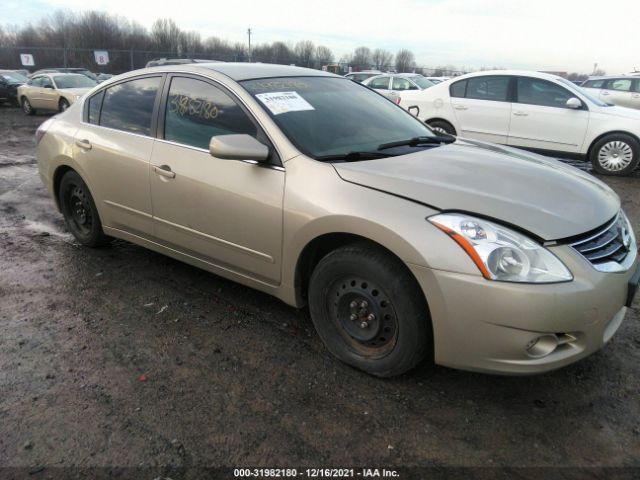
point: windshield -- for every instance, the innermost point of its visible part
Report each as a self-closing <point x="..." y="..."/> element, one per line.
<point x="422" y="82"/>
<point x="574" y="88"/>
<point x="14" y="77"/>
<point x="325" y="116"/>
<point x="73" y="81"/>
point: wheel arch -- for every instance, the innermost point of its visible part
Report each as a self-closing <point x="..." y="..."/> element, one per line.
<point x="603" y="135"/>
<point x="320" y="246"/>
<point x="57" y="178"/>
<point x="441" y="119"/>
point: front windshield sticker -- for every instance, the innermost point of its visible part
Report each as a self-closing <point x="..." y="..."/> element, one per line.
<point x="284" y="102"/>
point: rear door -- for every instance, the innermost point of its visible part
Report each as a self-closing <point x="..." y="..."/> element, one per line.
<point x="619" y="92"/>
<point x="113" y="146"/>
<point x="398" y="86"/>
<point x="483" y="111"/>
<point x="635" y="95"/>
<point x="225" y="212"/>
<point x="541" y="119"/>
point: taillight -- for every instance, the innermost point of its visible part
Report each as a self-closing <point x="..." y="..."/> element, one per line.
<point x="398" y="100"/>
<point x="42" y="129"/>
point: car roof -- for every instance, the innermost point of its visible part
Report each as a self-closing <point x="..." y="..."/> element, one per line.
<point x="609" y="77"/>
<point x="515" y="73"/>
<point x="365" y="71"/>
<point x="246" y="71"/>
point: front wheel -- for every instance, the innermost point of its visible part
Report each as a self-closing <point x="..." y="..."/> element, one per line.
<point x="26" y="107"/>
<point x="64" y="104"/>
<point x="80" y="212"/>
<point x="369" y="310"/>
<point x="616" y="154"/>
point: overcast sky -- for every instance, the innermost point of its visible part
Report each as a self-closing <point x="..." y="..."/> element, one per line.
<point x="536" y="34"/>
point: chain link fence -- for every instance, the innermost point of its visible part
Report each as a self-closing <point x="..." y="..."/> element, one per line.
<point x="120" y="61"/>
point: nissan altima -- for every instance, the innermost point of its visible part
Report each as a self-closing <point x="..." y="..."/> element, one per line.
<point x="406" y="245"/>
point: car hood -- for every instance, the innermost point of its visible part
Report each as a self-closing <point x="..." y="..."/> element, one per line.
<point x="75" y="91"/>
<point x="618" y="111"/>
<point x="543" y="196"/>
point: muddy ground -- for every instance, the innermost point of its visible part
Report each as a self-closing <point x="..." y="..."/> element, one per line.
<point x="124" y="357"/>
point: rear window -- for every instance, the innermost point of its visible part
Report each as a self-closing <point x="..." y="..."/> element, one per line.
<point x="458" y="89"/>
<point x="593" y="84"/>
<point x="128" y="106"/>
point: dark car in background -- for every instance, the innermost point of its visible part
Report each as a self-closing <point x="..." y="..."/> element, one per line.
<point x="10" y="80"/>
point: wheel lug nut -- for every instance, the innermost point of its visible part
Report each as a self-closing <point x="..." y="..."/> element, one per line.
<point x="353" y="317"/>
<point x="371" y="317"/>
<point x="353" y="304"/>
<point x="364" y="325"/>
<point x="364" y="304"/>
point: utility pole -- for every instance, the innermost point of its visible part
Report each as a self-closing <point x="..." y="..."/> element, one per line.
<point x="249" y="34"/>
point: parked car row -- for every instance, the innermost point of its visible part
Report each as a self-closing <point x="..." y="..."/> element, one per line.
<point x="536" y="111"/>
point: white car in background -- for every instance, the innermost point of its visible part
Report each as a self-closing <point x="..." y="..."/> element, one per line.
<point x="532" y="110"/>
<point x="393" y="85"/>
<point x="623" y="91"/>
<point x="363" y="75"/>
<point x="437" y="80"/>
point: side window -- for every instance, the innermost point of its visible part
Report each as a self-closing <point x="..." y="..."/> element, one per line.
<point x="197" y="111"/>
<point x="488" y="88"/>
<point x="534" y="91"/>
<point x="594" y="84"/>
<point x="35" y="82"/>
<point x="128" y="106"/>
<point x="458" y="89"/>
<point x="621" y="84"/>
<point x="381" y="83"/>
<point x="402" y="84"/>
<point x="95" y="104"/>
<point x="46" y="82"/>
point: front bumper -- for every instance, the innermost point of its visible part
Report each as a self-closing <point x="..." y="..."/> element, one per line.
<point x="486" y="326"/>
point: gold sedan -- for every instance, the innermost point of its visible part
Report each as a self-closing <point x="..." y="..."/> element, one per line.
<point x="53" y="91"/>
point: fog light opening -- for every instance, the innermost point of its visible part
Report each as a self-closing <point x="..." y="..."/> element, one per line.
<point x="542" y="346"/>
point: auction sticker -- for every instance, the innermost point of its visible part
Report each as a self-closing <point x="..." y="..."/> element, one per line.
<point x="284" y="102"/>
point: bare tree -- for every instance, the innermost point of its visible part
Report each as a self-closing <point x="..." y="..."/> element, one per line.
<point x="405" y="60"/>
<point x="282" y="53"/>
<point x="361" y="59"/>
<point x="382" y="59"/>
<point x="324" y="55"/>
<point x="304" y="52"/>
<point x="166" y="35"/>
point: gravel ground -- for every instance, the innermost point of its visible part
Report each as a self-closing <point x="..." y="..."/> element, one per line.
<point x="121" y="357"/>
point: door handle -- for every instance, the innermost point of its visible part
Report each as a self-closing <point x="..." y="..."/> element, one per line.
<point x="604" y="93"/>
<point x="460" y="107"/>
<point x="84" y="144"/>
<point x="520" y="114"/>
<point x="636" y="95"/>
<point x="164" y="170"/>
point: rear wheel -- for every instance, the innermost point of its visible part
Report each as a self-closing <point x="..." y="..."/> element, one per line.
<point x="63" y="105"/>
<point x="369" y="310"/>
<point x="442" y="126"/>
<point x="26" y="106"/>
<point x="615" y="154"/>
<point x="80" y="212"/>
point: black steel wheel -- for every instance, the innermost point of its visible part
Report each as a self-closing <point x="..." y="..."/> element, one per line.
<point x="369" y="310"/>
<point x="442" y="126"/>
<point x="80" y="212"/>
<point x="63" y="105"/>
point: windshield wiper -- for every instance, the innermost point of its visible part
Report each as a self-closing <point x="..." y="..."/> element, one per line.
<point x="415" y="141"/>
<point x="353" y="156"/>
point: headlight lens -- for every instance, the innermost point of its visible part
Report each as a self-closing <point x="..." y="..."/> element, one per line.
<point x="501" y="253"/>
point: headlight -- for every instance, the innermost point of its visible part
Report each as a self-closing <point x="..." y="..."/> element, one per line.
<point x="500" y="253"/>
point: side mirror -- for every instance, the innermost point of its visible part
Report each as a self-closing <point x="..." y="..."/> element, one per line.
<point x="48" y="86"/>
<point x="574" y="103"/>
<point x="238" y="147"/>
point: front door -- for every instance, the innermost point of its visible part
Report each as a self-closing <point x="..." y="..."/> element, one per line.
<point x="619" y="91"/>
<point x="225" y="212"/>
<point x="541" y="119"/>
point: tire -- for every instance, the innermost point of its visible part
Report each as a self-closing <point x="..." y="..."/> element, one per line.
<point x="615" y="154"/>
<point x="63" y="105"/>
<point x="26" y="107"/>
<point x="399" y="334"/>
<point x="442" y="126"/>
<point x="80" y="212"/>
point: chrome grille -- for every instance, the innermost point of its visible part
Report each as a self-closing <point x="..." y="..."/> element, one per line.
<point x="609" y="246"/>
